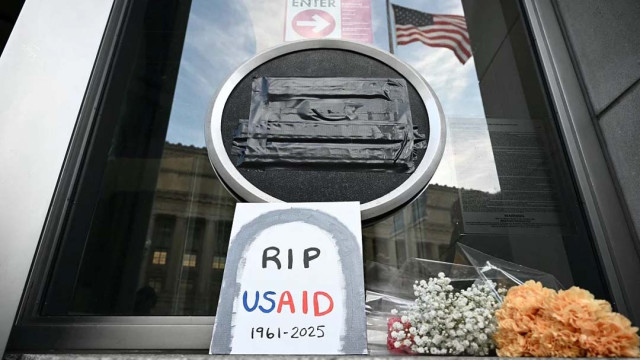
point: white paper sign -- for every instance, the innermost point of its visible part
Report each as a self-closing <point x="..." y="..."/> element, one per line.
<point x="335" y="19"/>
<point x="293" y="281"/>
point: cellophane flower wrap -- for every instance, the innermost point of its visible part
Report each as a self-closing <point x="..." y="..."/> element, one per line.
<point x="440" y="308"/>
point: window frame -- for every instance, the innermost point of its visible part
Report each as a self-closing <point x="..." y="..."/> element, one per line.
<point x="41" y="168"/>
<point x="162" y="257"/>
<point x="593" y="180"/>
<point x="611" y="230"/>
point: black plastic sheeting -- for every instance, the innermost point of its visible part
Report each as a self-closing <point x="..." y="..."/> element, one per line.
<point x="363" y="124"/>
<point x="329" y="183"/>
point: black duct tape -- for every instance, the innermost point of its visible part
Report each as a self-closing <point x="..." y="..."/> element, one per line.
<point x="329" y="123"/>
<point x="324" y="181"/>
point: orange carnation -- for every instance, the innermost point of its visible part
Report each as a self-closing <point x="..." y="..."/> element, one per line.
<point x="537" y="321"/>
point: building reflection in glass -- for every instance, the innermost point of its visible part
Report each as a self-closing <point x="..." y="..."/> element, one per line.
<point x="186" y="243"/>
<point x="190" y="225"/>
<point x="188" y="234"/>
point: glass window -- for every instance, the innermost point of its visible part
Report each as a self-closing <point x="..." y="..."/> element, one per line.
<point x="150" y="222"/>
<point x="155" y="284"/>
<point x="189" y="260"/>
<point x="218" y="262"/>
<point x="159" y="257"/>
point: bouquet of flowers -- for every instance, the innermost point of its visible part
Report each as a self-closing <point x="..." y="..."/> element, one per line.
<point x="438" y="308"/>
<point x="444" y="321"/>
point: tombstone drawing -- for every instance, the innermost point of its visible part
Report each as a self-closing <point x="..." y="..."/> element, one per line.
<point x="293" y="281"/>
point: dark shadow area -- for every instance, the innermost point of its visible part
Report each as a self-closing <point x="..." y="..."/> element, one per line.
<point x="9" y="11"/>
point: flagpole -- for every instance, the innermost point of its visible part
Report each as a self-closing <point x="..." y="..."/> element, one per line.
<point x="389" y="26"/>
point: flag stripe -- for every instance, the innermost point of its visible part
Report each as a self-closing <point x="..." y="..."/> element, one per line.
<point x="450" y="18"/>
<point x="439" y="39"/>
<point x="440" y="23"/>
<point x="453" y="21"/>
<point x="436" y="30"/>
<point x="410" y="40"/>
<point x="445" y="23"/>
<point x="456" y="17"/>
<point x="444" y="42"/>
<point x="441" y="27"/>
<point x="435" y="35"/>
<point x="430" y="29"/>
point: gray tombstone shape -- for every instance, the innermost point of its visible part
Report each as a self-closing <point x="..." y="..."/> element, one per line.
<point x="354" y="340"/>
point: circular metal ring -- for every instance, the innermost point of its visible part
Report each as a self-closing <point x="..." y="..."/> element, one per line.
<point x="408" y="190"/>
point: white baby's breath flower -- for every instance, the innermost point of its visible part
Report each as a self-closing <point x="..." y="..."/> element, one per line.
<point x="418" y="340"/>
<point x="445" y="321"/>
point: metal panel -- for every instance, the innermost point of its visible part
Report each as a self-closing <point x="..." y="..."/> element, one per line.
<point x="44" y="68"/>
<point x="113" y="337"/>
<point x="113" y="333"/>
<point x="603" y="207"/>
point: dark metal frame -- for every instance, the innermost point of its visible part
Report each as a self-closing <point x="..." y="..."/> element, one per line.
<point x="610" y="230"/>
<point x="72" y="167"/>
<point x="602" y="205"/>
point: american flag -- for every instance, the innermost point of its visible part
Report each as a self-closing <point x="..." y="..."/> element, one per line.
<point x="448" y="31"/>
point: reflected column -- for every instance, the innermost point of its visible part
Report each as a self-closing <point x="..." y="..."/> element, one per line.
<point x="203" y="295"/>
<point x="174" y="261"/>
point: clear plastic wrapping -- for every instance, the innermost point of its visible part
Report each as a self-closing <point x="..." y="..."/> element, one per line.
<point x="391" y="288"/>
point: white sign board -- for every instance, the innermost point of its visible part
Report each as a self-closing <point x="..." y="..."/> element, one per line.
<point x="293" y="281"/>
<point x="336" y="19"/>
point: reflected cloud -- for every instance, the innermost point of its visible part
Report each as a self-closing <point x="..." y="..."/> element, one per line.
<point x="456" y="85"/>
<point x="468" y="160"/>
<point x="475" y="165"/>
<point x="219" y="37"/>
<point x="268" y="18"/>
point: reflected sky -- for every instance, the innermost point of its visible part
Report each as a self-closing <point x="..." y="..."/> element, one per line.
<point x="223" y="34"/>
